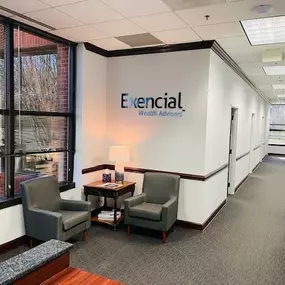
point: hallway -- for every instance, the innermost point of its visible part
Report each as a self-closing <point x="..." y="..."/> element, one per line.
<point x="245" y="244"/>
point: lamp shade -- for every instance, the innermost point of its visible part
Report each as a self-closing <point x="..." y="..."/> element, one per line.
<point x="119" y="153"/>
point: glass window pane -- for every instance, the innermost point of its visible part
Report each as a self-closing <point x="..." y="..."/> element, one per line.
<point x="41" y="74"/>
<point x="2" y="70"/>
<point x="2" y="159"/>
<point x="277" y="125"/>
<point x="36" y="165"/>
<point x="40" y="133"/>
<point x="2" y="178"/>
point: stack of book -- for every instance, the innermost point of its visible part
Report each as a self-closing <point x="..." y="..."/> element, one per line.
<point x="108" y="215"/>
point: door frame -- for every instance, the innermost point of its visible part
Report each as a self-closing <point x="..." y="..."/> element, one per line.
<point x="262" y="144"/>
<point x="251" y="151"/>
<point x="232" y="151"/>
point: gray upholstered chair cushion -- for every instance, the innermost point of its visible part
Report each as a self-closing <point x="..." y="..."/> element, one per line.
<point x="71" y="219"/>
<point x="148" y="211"/>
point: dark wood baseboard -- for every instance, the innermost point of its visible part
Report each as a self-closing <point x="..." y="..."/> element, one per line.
<point x="203" y="226"/>
<point x="13" y="244"/>
<point x="45" y="272"/>
<point x="238" y="186"/>
<point x="189" y="225"/>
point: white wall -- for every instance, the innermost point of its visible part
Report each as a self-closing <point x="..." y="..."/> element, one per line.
<point x="90" y="111"/>
<point x="164" y="143"/>
<point x="90" y="116"/>
<point x="227" y="90"/>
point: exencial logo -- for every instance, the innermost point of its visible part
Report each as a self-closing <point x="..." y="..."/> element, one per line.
<point x="166" y="103"/>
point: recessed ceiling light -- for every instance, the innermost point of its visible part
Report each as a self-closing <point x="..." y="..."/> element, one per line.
<point x="274" y="70"/>
<point x="262" y="9"/>
<point x="278" y="86"/>
<point x="265" y="30"/>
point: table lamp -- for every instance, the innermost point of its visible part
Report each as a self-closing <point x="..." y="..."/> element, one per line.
<point x="120" y="155"/>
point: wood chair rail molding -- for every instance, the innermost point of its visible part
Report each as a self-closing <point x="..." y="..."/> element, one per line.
<point x="144" y="170"/>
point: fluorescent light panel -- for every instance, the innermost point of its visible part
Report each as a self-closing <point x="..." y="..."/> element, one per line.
<point x="282" y="96"/>
<point x="278" y="86"/>
<point x="274" y="70"/>
<point x="265" y="31"/>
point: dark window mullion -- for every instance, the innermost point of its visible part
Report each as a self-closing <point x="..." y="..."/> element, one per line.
<point x="71" y="124"/>
<point x="41" y="113"/>
<point x="9" y="118"/>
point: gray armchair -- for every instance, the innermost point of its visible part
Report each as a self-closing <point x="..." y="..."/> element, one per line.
<point x="47" y="216"/>
<point x="156" y="208"/>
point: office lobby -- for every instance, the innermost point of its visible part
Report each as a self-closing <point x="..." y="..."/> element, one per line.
<point x="142" y="142"/>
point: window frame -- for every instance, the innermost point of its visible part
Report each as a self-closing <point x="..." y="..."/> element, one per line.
<point x="10" y="114"/>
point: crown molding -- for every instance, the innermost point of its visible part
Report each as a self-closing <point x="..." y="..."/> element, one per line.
<point x="213" y="45"/>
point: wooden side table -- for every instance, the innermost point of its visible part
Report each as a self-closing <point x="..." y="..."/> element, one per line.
<point x="95" y="189"/>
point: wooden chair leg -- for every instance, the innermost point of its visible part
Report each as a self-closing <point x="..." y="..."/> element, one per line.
<point x="85" y="235"/>
<point x="30" y="243"/>
<point x="129" y="230"/>
<point x="163" y="237"/>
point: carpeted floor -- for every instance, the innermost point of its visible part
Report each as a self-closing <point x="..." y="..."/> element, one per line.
<point x="244" y="245"/>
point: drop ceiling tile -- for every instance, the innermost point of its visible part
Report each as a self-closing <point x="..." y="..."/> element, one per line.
<point x="23" y="6"/>
<point x="90" y="11"/>
<point x="24" y="21"/>
<point x="160" y="22"/>
<point x="225" y="30"/>
<point x="55" y="3"/>
<point x="110" y="44"/>
<point x="119" y="28"/>
<point x="242" y="57"/>
<point x="177" y="36"/>
<point x="134" y="8"/>
<point x="267" y="80"/>
<point x="219" y="13"/>
<point x="250" y="65"/>
<point x="81" y="34"/>
<point x="66" y="36"/>
<point x="242" y="10"/>
<point x="253" y="70"/>
<point x="229" y="43"/>
<point x="54" y="18"/>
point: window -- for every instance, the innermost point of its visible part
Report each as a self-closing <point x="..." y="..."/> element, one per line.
<point x="36" y="108"/>
<point x="277" y="125"/>
<point x="2" y="104"/>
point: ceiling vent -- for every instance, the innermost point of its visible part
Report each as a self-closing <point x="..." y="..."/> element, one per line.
<point x="189" y="4"/>
<point x="26" y="18"/>
<point x="139" y="40"/>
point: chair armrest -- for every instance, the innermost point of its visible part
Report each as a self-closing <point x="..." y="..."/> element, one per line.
<point x="44" y="225"/>
<point x="136" y="200"/>
<point x="132" y="201"/>
<point x="169" y="212"/>
<point x="74" y="205"/>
